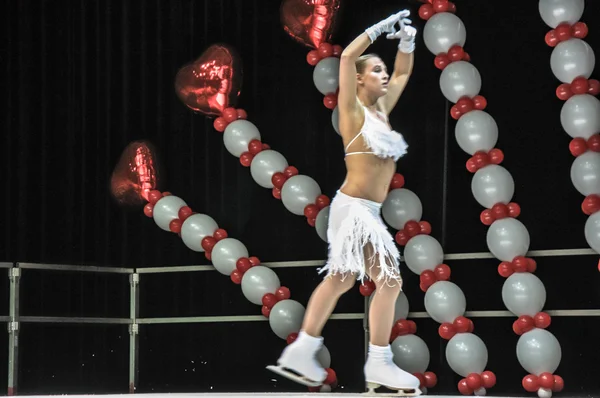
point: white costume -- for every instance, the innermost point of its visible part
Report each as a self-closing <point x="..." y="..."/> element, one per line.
<point x="356" y="222"/>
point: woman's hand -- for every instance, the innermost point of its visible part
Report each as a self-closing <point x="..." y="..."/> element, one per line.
<point x="407" y="35"/>
<point x="387" y="25"/>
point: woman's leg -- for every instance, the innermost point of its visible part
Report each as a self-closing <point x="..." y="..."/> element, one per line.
<point x="323" y="301"/>
<point x="380" y="368"/>
<point x="301" y="355"/>
<point x="383" y="303"/>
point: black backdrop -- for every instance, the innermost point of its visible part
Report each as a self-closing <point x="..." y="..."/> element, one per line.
<point x="84" y="78"/>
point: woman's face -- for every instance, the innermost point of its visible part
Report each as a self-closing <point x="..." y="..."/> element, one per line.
<point x="375" y="78"/>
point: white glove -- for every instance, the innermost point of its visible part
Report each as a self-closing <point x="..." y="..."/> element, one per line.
<point x="407" y="35"/>
<point x="387" y="25"/>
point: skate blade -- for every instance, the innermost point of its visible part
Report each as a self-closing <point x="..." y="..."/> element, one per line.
<point x="280" y="370"/>
<point x="404" y="392"/>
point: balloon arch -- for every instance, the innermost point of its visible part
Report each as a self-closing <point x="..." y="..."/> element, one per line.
<point x="211" y="85"/>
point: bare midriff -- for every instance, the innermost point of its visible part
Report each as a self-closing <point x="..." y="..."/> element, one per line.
<point x="368" y="176"/>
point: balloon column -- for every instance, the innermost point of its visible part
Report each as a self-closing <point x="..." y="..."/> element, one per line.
<point x="445" y="302"/>
<point x="476" y="132"/>
<point x="259" y="284"/>
<point x="572" y="62"/>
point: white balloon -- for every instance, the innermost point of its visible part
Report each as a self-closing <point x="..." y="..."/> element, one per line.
<point x="466" y="353"/>
<point x="257" y="282"/>
<point x="572" y="58"/>
<point x="423" y="252"/>
<point x="585" y="173"/>
<point x="411" y="354"/>
<point x="400" y="206"/>
<point x="335" y="120"/>
<point x="476" y="131"/>
<point x="538" y="351"/>
<point x="442" y="31"/>
<point x="298" y="192"/>
<point x="265" y="164"/>
<point x="237" y="136"/>
<point x="492" y="184"/>
<point x="167" y="210"/>
<point x="322" y="223"/>
<point x="460" y="79"/>
<point x="286" y="317"/>
<point x="324" y="357"/>
<point x="195" y="228"/>
<point x="225" y="254"/>
<point x="445" y="301"/>
<point x="555" y="12"/>
<point x="580" y="116"/>
<point x="524" y="294"/>
<point x="592" y="231"/>
<point x="508" y="238"/>
<point x="326" y="75"/>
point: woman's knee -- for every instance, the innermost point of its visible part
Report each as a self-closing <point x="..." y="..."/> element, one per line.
<point x="342" y="282"/>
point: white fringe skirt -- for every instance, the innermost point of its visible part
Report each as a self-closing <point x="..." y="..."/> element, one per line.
<point x="354" y="223"/>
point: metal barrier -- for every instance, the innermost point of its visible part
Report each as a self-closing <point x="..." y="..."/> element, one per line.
<point x="14" y="319"/>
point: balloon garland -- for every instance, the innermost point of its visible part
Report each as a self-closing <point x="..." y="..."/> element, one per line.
<point x="260" y="284"/>
<point x="523" y="293"/>
<point x="572" y="62"/>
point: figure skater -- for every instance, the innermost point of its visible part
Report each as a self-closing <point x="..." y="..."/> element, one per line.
<point x="359" y="242"/>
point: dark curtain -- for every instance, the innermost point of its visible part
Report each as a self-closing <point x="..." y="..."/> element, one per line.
<point x="82" y="79"/>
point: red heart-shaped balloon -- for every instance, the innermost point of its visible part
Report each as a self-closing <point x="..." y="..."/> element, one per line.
<point x="212" y="82"/>
<point x="309" y="22"/>
<point x="136" y="174"/>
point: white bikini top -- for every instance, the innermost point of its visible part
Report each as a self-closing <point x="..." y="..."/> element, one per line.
<point x="380" y="138"/>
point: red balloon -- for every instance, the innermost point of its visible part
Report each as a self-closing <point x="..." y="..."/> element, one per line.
<point x="594" y="88"/>
<point x="208" y="242"/>
<point x="479" y="102"/>
<point x="563" y="92"/>
<point x="446" y="331"/>
<point x="481" y="159"/>
<point x="220" y="234"/>
<point x="451" y="7"/>
<point x="175" y="225"/>
<point x="412" y="228"/>
<point x="579" y="30"/>
<point x="212" y="82"/>
<point x="440" y="5"/>
<point x="455" y="112"/>
<point x="243" y="265"/>
<point x="322" y="201"/>
<point x="430" y="379"/>
<point x="487" y="217"/>
<point x="246" y="159"/>
<point x="578" y="146"/>
<point x="531" y="265"/>
<point x="367" y="288"/>
<point x="591" y="204"/>
<point x="184" y="213"/>
<point x="473" y="381"/>
<point x="401" y="238"/>
<point x="236" y="277"/>
<point x="309" y="23"/>
<point x="136" y="174"/>
<point x="290" y="171"/>
<point x="291" y="338"/>
<point x="230" y="114"/>
<point x="426" y="11"/>
<point x="254" y="261"/>
<point x="441" y="61"/>
<point x="464" y="388"/>
<point x="530" y="383"/>
<point x="313" y="57"/>
<point x="580" y="86"/>
<point x="269" y="300"/>
<point x="427" y="278"/>
<point x="514" y="210"/>
<point x="551" y="38"/>
<point x="425" y="227"/>
<point x="488" y="379"/>
<point x="266" y="311"/>
<point x="593" y="143"/>
<point x="496" y="156"/>
<point x="330" y="101"/>
<point x="148" y="209"/>
<point x="465" y="105"/>
<point x="505" y="269"/>
<point x="337" y="50"/>
<point x="242" y="114"/>
<point x="462" y="326"/>
<point x="283" y="293"/>
<point x="526" y="323"/>
<point x="331" y="376"/>
<point x="442" y="272"/>
<point x="254" y="147"/>
<point x="500" y="211"/>
<point x="276" y="193"/>
<point x="456" y="53"/>
<point x="311" y="211"/>
<point x="546" y="380"/>
<point x="520" y="263"/>
<point x="278" y="179"/>
<point x="402" y="327"/>
<point x="563" y="32"/>
<point x="559" y="384"/>
<point x="220" y="124"/>
<point x="397" y="181"/>
<point x="542" y="320"/>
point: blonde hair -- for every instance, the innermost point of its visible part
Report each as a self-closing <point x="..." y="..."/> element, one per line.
<point x="361" y="62"/>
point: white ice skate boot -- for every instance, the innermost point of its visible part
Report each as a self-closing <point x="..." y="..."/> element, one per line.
<point x="299" y="363"/>
<point x="380" y="370"/>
